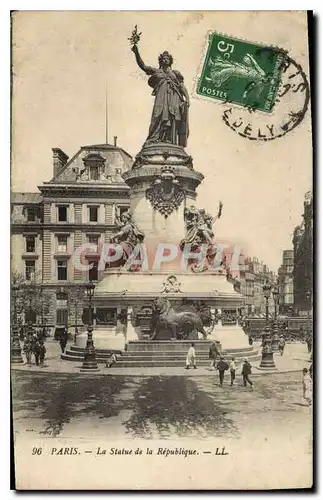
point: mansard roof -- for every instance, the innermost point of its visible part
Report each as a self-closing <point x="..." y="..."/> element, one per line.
<point x="26" y="198"/>
<point x="116" y="161"/>
<point x="107" y="147"/>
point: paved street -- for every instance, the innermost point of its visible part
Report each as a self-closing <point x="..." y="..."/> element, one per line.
<point x="156" y="407"/>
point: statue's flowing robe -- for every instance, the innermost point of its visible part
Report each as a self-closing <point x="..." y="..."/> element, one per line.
<point x="169" y="119"/>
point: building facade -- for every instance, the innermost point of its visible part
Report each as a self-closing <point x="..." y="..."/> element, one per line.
<point x="285" y="283"/>
<point x="303" y="259"/>
<point x="80" y="204"/>
<point x="253" y="276"/>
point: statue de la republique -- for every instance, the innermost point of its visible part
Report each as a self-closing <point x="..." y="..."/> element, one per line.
<point x="169" y="119"/>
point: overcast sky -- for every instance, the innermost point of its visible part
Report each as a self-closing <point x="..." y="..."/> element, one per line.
<point x="62" y="61"/>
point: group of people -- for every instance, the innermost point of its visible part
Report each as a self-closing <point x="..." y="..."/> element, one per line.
<point x="34" y="346"/>
<point x="222" y="365"/>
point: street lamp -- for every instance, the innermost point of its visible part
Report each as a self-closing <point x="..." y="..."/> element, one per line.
<point x="267" y="357"/>
<point x="15" y="345"/>
<point x="275" y="331"/>
<point x="89" y="362"/>
<point x="308" y="298"/>
<point x="267" y="289"/>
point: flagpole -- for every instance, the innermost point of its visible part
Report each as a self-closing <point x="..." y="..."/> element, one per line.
<point x="106" y="113"/>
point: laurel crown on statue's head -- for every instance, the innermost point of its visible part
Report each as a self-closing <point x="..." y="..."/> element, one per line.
<point x="165" y="55"/>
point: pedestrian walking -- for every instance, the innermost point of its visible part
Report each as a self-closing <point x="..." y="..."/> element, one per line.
<point x="233" y="369"/>
<point x="307" y="386"/>
<point x="37" y="352"/>
<point x="246" y="371"/>
<point x="309" y="342"/>
<point x="213" y="352"/>
<point x="112" y="360"/>
<point x="190" y="358"/>
<point x="222" y="366"/>
<point x="42" y="352"/>
<point x="27" y="350"/>
<point x="63" y="340"/>
<point x="281" y="345"/>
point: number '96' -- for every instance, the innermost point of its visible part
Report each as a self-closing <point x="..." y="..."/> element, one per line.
<point x="37" y="451"/>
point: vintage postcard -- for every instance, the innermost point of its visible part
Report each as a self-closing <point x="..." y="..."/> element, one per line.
<point x="161" y="250"/>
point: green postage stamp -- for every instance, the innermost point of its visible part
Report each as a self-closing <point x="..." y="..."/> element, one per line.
<point x="241" y="72"/>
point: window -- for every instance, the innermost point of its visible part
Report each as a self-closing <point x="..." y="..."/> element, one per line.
<point x="122" y="210"/>
<point x="93" y="239"/>
<point x="62" y="316"/>
<point x="93" y="272"/>
<point x="30" y="244"/>
<point x="62" y="270"/>
<point x="94" y="173"/>
<point x="62" y="213"/>
<point x="31" y="316"/>
<point x="61" y="299"/>
<point x="62" y="244"/>
<point x="93" y="214"/>
<point x="31" y="214"/>
<point x="30" y="269"/>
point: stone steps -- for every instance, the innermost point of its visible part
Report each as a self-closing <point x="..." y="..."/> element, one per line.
<point x="161" y="353"/>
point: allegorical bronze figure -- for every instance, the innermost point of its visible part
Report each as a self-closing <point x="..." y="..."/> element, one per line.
<point x="169" y="119"/>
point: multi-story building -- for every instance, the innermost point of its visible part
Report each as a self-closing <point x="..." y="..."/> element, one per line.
<point x="253" y="275"/>
<point x="285" y="283"/>
<point x="303" y="259"/>
<point x="80" y="204"/>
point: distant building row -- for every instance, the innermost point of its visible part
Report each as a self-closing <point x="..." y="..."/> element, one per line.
<point x="296" y="272"/>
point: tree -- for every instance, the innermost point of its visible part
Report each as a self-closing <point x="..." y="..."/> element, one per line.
<point x="75" y="300"/>
<point x="29" y="299"/>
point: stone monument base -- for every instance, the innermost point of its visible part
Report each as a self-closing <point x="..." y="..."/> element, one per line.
<point x="103" y="338"/>
<point x="147" y="353"/>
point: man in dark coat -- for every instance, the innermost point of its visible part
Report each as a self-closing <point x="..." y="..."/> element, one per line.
<point x="222" y="366"/>
<point x="213" y="352"/>
<point x="246" y="371"/>
<point x="63" y="340"/>
<point x="37" y="350"/>
<point x="42" y="352"/>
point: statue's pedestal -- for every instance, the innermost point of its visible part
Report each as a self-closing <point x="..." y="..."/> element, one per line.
<point x="163" y="183"/>
<point x="104" y="338"/>
<point x="230" y="337"/>
<point x="132" y="289"/>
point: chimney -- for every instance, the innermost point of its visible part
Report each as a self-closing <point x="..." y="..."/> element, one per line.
<point x="115" y="137"/>
<point x="59" y="160"/>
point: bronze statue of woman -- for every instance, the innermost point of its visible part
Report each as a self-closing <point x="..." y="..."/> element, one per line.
<point x="169" y="119"/>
